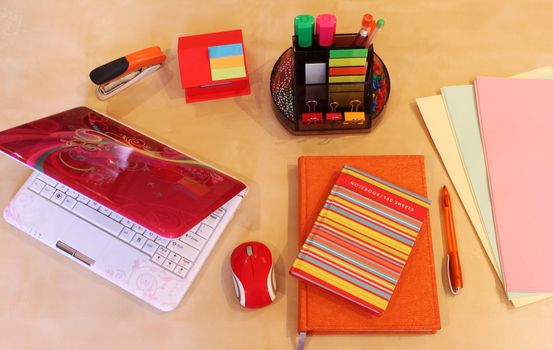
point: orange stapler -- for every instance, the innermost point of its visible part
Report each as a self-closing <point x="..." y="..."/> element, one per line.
<point x="119" y="74"/>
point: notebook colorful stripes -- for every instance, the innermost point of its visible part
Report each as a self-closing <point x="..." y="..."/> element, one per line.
<point x="361" y="240"/>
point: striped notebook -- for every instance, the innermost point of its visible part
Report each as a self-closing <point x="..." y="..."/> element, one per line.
<point x="361" y="239"/>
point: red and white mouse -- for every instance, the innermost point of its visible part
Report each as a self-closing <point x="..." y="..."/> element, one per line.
<point x="253" y="274"/>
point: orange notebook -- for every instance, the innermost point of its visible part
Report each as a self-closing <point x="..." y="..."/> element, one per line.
<point x="414" y="305"/>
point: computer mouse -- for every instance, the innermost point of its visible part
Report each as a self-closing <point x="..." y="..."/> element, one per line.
<point x="253" y="274"/>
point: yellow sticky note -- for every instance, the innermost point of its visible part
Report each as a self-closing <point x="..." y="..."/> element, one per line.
<point x="228" y="73"/>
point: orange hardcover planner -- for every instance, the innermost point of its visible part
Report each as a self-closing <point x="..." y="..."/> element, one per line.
<point x="413" y="307"/>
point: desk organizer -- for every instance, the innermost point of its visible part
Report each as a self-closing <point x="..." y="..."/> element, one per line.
<point x="337" y="89"/>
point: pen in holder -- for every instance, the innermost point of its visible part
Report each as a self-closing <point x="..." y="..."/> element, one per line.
<point x="351" y="80"/>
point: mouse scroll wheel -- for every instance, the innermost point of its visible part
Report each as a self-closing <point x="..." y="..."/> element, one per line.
<point x="249" y="250"/>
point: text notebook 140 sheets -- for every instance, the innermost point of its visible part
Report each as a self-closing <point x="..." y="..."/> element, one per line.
<point x="129" y="208"/>
<point x="361" y="239"/>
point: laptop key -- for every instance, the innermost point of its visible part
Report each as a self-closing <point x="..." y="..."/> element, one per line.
<point x="158" y="259"/>
<point x="187" y="264"/>
<point x="37" y="186"/>
<point x="169" y="265"/>
<point x="194" y="240"/>
<point x="115" y="216"/>
<point x="183" y="249"/>
<point x="58" y="197"/>
<point x="174" y="257"/>
<point x="138" y="228"/>
<point x="72" y="193"/>
<point x="180" y="271"/>
<point x="48" y="180"/>
<point x="150" y="247"/>
<point x="195" y="228"/>
<point x="97" y="219"/>
<point x="94" y="205"/>
<point x="149" y="234"/>
<point x="47" y="192"/>
<point x="127" y="223"/>
<point x="138" y="241"/>
<point x="61" y="187"/>
<point x="164" y="252"/>
<point x="82" y="198"/>
<point x="205" y="231"/>
<point x="68" y="203"/>
<point x="104" y="210"/>
<point x="212" y="220"/>
<point x="127" y="234"/>
<point x="162" y="241"/>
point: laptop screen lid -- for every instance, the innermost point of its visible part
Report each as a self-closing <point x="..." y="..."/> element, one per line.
<point x="152" y="184"/>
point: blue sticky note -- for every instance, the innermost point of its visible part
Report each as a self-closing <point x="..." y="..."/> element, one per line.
<point x="225" y="50"/>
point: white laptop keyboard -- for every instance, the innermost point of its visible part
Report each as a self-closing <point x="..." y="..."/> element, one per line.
<point x="175" y="255"/>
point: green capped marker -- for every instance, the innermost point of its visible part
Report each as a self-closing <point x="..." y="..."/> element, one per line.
<point x="303" y="29"/>
<point x="379" y="24"/>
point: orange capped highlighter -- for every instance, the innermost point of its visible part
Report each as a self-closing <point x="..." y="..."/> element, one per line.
<point x="119" y="74"/>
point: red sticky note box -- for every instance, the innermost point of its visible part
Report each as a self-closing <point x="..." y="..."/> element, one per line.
<point x="195" y="71"/>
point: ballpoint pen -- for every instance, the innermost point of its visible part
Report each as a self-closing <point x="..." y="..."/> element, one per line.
<point x="455" y="276"/>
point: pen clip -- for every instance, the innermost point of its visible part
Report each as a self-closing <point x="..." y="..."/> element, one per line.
<point x="448" y="267"/>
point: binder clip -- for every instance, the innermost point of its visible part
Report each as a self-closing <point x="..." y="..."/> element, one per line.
<point x="354" y="116"/>
<point x="311" y="117"/>
<point x="333" y="116"/>
<point x="119" y="74"/>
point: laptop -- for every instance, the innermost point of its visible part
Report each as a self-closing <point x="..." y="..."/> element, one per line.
<point x="137" y="212"/>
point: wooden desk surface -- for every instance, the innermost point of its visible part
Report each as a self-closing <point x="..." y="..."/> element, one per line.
<point x="47" y="50"/>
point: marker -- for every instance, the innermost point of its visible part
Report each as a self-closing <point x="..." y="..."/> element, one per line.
<point x="367" y="24"/>
<point x="455" y="276"/>
<point x="303" y="29"/>
<point x="379" y="24"/>
<point x="326" y="28"/>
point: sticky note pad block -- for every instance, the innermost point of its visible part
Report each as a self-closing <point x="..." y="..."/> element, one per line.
<point x="346" y="62"/>
<point x="213" y="65"/>
<point x="347" y="66"/>
<point x="347" y="71"/>
<point x="228" y="73"/>
<point x="225" y="50"/>
<point x="347" y="79"/>
<point x="226" y="62"/>
<point x="347" y="53"/>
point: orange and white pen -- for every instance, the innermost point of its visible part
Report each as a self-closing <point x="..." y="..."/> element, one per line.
<point x="455" y="276"/>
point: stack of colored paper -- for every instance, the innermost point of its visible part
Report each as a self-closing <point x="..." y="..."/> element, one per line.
<point x="226" y="61"/>
<point x="347" y="65"/>
<point x="493" y="139"/>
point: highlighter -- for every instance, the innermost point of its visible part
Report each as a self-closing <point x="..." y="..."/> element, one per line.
<point x="367" y="23"/>
<point x="326" y="28"/>
<point x="303" y="29"/>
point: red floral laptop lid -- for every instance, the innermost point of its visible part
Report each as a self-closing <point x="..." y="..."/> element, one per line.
<point x="150" y="183"/>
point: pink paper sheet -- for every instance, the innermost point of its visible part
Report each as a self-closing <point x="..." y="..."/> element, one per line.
<point x="516" y="122"/>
